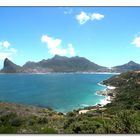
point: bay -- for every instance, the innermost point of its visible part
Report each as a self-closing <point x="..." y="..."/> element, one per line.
<point x="61" y="92"/>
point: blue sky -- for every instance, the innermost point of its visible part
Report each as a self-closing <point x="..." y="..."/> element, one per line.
<point x="108" y="36"/>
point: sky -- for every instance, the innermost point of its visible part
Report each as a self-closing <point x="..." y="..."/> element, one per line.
<point x="107" y="36"/>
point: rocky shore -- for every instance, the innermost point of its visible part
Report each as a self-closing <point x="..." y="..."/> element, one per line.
<point x="108" y="92"/>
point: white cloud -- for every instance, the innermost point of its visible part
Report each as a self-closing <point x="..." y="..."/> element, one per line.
<point x="52" y="43"/>
<point x="5" y="44"/>
<point x="6" y="51"/>
<point x="71" y="50"/>
<point x="83" y="17"/>
<point x="54" y="46"/>
<point x="96" y="16"/>
<point x="136" y="41"/>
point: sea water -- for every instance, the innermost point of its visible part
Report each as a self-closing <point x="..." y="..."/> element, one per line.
<point x="61" y="92"/>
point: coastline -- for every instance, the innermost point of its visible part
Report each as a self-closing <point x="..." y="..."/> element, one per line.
<point x="105" y="99"/>
<point x="62" y="73"/>
<point x="109" y="95"/>
<point x="107" y="92"/>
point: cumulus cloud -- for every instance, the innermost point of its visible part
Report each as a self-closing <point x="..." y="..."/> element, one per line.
<point x="52" y="43"/>
<point x="54" y="46"/>
<point x="5" y="44"/>
<point x="83" y="17"/>
<point x="71" y="50"/>
<point x="136" y="41"/>
<point x="6" y="51"/>
<point x="96" y="16"/>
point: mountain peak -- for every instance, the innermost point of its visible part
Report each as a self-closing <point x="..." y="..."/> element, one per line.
<point x="131" y="63"/>
<point x="59" y="57"/>
<point x="10" y="67"/>
<point x="6" y="59"/>
<point x="7" y="62"/>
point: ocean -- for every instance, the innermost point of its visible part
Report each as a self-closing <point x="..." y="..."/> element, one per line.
<point x="61" y="92"/>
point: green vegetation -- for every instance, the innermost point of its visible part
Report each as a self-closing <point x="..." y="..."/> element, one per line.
<point x="122" y="116"/>
<point x="27" y="119"/>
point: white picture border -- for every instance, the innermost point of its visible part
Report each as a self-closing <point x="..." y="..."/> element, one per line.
<point x="69" y="2"/>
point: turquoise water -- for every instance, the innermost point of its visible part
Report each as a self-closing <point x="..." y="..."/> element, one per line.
<point x="61" y="92"/>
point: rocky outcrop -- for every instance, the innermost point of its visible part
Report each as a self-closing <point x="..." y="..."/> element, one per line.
<point x="10" y="67"/>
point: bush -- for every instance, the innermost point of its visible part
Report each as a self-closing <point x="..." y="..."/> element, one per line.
<point x="42" y="120"/>
<point x="126" y="122"/>
<point x="71" y="114"/>
<point x="16" y="122"/>
<point x="47" y="130"/>
<point x="8" y="130"/>
<point x="7" y="118"/>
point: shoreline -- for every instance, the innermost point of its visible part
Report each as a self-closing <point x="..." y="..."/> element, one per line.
<point x="102" y="92"/>
<point x="108" y="93"/>
<point x="64" y="73"/>
<point x="105" y="92"/>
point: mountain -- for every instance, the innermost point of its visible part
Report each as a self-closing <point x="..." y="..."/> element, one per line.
<point x="10" y="67"/>
<point x="130" y="66"/>
<point x="55" y="64"/>
<point x="65" y="64"/>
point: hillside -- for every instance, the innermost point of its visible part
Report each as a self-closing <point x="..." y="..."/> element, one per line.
<point x="21" y="119"/>
<point x="130" y="66"/>
<point x="128" y="91"/>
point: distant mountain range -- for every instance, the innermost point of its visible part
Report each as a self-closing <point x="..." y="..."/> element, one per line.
<point x="126" y="67"/>
<point x="64" y="64"/>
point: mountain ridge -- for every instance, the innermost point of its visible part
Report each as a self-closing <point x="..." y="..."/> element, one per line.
<point x="131" y="65"/>
<point x="65" y="64"/>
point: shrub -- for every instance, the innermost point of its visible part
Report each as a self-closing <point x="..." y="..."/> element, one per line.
<point x="42" y="120"/>
<point x="16" y="122"/>
<point x="47" y="130"/>
<point x="8" y="130"/>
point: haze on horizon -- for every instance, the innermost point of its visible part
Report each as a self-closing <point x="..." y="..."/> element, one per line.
<point x="108" y="36"/>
